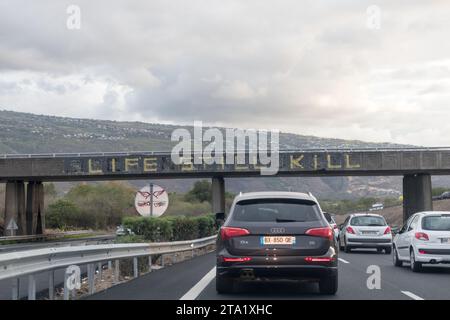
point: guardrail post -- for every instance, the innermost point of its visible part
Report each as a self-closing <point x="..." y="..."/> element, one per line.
<point x="100" y="270"/>
<point x="116" y="271"/>
<point x="149" y="263"/>
<point x="15" y="289"/>
<point x="162" y="260"/>
<point x="31" y="287"/>
<point x="66" y="289"/>
<point x="91" y="277"/>
<point x="51" y="285"/>
<point x="135" y="267"/>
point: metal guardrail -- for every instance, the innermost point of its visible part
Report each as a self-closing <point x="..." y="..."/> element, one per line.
<point x="27" y="237"/>
<point x="28" y="263"/>
<point x="132" y="153"/>
<point x="50" y="236"/>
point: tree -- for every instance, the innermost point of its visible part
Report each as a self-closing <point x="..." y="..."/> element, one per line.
<point x="201" y="192"/>
<point x="93" y="206"/>
<point x="50" y="190"/>
<point x="62" y="214"/>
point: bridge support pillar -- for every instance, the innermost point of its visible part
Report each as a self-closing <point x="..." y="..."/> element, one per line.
<point x="417" y="194"/>
<point x="35" y="208"/>
<point x="218" y="194"/>
<point x="15" y="208"/>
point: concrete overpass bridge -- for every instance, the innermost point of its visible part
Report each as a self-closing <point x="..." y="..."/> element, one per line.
<point x="24" y="174"/>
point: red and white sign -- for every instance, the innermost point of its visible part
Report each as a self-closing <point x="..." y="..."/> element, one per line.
<point x="151" y="201"/>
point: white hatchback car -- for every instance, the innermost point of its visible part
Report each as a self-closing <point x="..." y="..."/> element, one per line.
<point x="425" y="238"/>
<point x="365" y="230"/>
<point x="333" y="224"/>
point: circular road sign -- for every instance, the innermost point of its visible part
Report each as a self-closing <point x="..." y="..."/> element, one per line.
<point x="151" y="200"/>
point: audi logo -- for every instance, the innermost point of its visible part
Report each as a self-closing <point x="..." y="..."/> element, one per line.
<point x="277" y="230"/>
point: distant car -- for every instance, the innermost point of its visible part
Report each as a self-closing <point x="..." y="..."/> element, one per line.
<point x="273" y="236"/>
<point x="445" y="195"/>
<point x="376" y="207"/>
<point x="333" y="224"/>
<point x="122" y="231"/>
<point x="365" y="231"/>
<point x="425" y="238"/>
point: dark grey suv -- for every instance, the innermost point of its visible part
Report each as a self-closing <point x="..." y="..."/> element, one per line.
<point x="276" y="235"/>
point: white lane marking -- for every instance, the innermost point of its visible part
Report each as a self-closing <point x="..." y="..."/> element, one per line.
<point x="342" y="260"/>
<point x="195" y="291"/>
<point x="412" y="295"/>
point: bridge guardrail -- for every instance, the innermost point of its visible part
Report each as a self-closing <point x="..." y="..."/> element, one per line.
<point x="163" y="152"/>
<point x="14" y="265"/>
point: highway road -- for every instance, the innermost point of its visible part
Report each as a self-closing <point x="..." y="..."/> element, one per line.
<point x="194" y="279"/>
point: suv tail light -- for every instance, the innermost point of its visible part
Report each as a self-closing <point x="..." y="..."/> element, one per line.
<point x="388" y="230"/>
<point x="229" y="232"/>
<point x="350" y="230"/>
<point x="326" y="232"/>
<point x="421" y="236"/>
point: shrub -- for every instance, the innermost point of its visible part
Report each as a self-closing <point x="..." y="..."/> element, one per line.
<point x="183" y="228"/>
<point x="65" y="214"/>
<point x="153" y="229"/>
<point x="171" y="228"/>
<point x="206" y="225"/>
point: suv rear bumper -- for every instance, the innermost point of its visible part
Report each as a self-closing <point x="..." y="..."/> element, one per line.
<point x="279" y="268"/>
<point x="432" y="254"/>
<point x="284" y="272"/>
<point x="369" y="243"/>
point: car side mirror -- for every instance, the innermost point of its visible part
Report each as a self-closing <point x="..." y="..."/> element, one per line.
<point x="220" y="217"/>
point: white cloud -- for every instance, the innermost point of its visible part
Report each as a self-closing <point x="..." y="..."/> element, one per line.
<point x="311" y="68"/>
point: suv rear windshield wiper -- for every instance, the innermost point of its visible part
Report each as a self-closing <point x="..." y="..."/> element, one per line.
<point x="288" y="220"/>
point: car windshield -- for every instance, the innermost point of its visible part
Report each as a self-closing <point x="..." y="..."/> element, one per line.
<point x="437" y="223"/>
<point x="276" y="210"/>
<point x="368" y="221"/>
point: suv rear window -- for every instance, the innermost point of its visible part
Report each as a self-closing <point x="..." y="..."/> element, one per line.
<point x="368" y="221"/>
<point x="437" y="223"/>
<point x="276" y="210"/>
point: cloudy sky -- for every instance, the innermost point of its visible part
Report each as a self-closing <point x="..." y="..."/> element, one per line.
<point x="345" y="69"/>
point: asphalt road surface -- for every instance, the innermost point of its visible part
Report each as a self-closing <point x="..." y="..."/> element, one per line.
<point x="194" y="279"/>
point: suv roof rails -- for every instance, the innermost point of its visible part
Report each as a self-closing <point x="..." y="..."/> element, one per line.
<point x="312" y="196"/>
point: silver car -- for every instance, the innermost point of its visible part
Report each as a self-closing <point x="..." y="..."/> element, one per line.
<point x="365" y="231"/>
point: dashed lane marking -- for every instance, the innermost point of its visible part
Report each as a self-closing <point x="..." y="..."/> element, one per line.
<point x="412" y="295"/>
<point x="195" y="291"/>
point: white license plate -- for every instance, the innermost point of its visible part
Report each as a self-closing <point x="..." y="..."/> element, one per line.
<point x="445" y="240"/>
<point x="370" y="232"/>
<point x="278" y="240"/>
